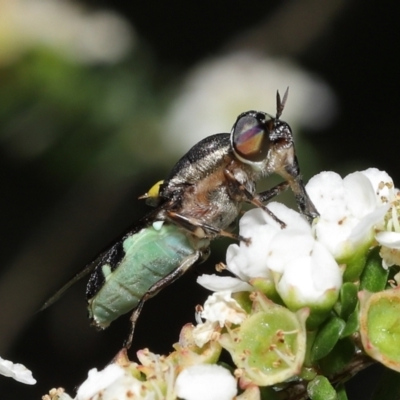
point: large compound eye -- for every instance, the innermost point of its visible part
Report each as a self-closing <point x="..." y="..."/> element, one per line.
<point x="250" y="136"/>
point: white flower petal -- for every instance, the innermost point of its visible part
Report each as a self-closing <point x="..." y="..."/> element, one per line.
<point x="376" y="177"/>
<point x="291" y="218"/>
<point x="326" y="272"/>
<point x="221" y="307"/>
<point x="286" y="246"/>
<point x="16" y="371"/>
<point x="310" y="277"/>
<point x="327" y="193"/>
<point x="203" y="332"/>
<point x="363" y="231"/>
<point x="219" y="283"/>
<point x="389" y="239"/>
<point x="99" y="380"/>
<point x="334" y="235"/>
<point x="249" y="261"/>
<point x="206" y="382"/>
<point x="359" y="194"/>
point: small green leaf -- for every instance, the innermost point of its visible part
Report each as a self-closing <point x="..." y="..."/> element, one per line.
<point x="321" y="389"/>
<point x="338" y="358"/>
<point x="352" y="324"/>
<point x="341" y="392"/>
<point x="327" y="337"/>
<point x="311" y="335"/>
<point x="307" y="373"/>
<point x="348" y="299"/>
<point x="374" y="276"/>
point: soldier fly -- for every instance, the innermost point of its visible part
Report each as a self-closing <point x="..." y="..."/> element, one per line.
<point x="197" y="202"/>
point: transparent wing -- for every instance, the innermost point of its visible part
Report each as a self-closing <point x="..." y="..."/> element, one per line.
<point x="87" y="270"/>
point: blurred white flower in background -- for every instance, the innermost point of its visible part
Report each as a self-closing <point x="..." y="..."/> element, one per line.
<point x="217" y="91"/>
<point x="65" y="27"/>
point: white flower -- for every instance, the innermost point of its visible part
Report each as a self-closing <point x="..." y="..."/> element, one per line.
<point x="302" y="269"/>
<point x="349" y="209"/>
<point x="355" y="211"/>
<point x="310" y="276"/>
<point x="219" y="308"/>
<point x="206" y="382"/>
<point x="249" y="261"/>
<point x="388" y="230"/>
<point x="66" y="28"/>
<point x="99" y="380"/>
<point x="113" y="382"/>
<point x="16" y="371"/>
<point x="217" y="91"/>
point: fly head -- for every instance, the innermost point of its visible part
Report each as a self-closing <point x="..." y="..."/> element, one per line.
<point x="256" y="136"/>
<point x="265" y="143"/>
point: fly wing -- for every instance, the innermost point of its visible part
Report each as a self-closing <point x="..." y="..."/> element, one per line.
<point x="87" y="270"/>
<point x="111" y="254"/>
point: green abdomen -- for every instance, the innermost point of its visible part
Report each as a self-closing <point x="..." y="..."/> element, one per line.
<point x="150" y="255"/>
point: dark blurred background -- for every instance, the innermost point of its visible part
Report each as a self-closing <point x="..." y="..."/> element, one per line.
<point x="98" y="100"/>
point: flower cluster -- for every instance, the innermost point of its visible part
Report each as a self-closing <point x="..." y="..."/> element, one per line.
<point x="289" y="263"/>
<point x="327" y="271"/>
<point x="304" y="303"/>
<point x="189" y="372"/>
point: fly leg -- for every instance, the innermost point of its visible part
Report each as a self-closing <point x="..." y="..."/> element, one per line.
<point x="270" y="193"/>
<point x="243" y="194"/>
<point x="201" y="229"/>
<point x="188" y="262"/>
<point x="304" y="203"/>
<point x="290" y="172"/>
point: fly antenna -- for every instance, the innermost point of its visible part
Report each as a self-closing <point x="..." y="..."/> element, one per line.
<point x="280" y="104"/>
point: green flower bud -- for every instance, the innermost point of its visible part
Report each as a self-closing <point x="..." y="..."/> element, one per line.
<point x="380" y="326"/>
<point x="269" y="346"/>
